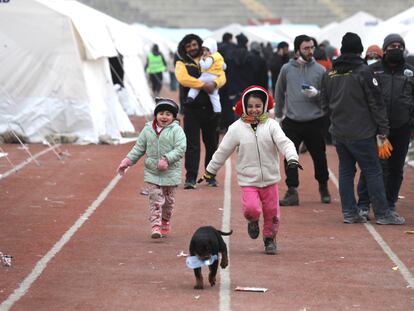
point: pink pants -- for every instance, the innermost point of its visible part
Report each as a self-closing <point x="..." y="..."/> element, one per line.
<point x="161" y="203"/>
<point x="255" y="200"/>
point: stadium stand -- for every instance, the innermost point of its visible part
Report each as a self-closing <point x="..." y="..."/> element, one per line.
<point x="214" y="14"/>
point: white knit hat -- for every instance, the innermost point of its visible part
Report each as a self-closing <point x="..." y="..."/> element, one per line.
<point x="210" y="44"/>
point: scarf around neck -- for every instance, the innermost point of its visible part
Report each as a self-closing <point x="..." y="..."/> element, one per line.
<point x="255" y="120"/>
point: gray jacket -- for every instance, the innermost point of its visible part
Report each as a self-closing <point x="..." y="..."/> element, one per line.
<point x="354" y="100"/>
<point x="288" y="91"/>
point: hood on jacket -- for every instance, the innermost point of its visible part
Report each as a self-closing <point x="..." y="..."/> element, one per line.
<point x="268" y="101"/>
<point x="181" y="46"/>
<point x="210" y="44"/>
<point x="347" y="62"/>
<point x="294" y="62"/>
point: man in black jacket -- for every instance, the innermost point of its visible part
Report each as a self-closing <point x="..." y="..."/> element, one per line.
<point x="396" y="80"/>
<point x="358" y="114"/>
<point x="279" y="58"/>
<point x="199" y="114"/>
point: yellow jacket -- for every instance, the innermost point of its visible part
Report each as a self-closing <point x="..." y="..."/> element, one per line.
<point x="186" y="80"/>
<point x="217" y="66"/>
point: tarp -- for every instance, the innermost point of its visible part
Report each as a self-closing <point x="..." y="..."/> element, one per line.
<point x="55" y="75"/>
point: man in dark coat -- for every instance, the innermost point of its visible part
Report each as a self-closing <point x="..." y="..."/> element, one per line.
<point x="396" y="78"/>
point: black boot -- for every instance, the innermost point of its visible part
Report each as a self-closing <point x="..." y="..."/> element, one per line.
<point x="325" y="196"/>
<point x="291" y="198"/>
<point x="270" y="246"/>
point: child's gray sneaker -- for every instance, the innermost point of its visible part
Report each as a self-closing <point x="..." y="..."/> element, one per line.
<point x="391" y="219"/>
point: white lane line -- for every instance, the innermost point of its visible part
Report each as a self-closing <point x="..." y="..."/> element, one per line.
<point x="405" y="272"/>
<point x="27" y="161"/>
<point x="225" y="273"/>
<point x="42" y="263"/>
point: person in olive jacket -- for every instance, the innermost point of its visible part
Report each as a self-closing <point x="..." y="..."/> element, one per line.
<point x="163" y="142"/>
<point x="396" y="80"/>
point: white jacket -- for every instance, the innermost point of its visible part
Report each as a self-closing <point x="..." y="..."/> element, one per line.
<point x="257" y="153"/>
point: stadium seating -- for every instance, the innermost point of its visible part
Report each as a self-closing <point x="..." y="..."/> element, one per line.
<point x="214" y="14"/>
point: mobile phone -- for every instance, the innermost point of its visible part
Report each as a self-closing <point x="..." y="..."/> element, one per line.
<point x="305" y="86"/>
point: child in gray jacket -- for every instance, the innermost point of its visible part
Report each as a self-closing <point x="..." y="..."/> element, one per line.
<point x="164" y="143"/>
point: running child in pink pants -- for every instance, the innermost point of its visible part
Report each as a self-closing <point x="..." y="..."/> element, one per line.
<point x="163" y="143"/>
<point x="258" y="141"/>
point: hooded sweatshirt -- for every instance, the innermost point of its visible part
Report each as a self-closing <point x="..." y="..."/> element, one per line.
<point x="217" y="61"/>
<point x="257" y="161"/>
<point x="288" y="91"/>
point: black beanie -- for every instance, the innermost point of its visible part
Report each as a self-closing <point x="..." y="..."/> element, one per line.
<point x="162" y="104"/>
<point x="392" y="38"/>
<point x="298" y="41"/>
<point x="351" y="43"/>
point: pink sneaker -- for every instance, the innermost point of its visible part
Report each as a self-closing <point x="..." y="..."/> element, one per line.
<point x="165" y="227"/>
<point x="156" y="232"/>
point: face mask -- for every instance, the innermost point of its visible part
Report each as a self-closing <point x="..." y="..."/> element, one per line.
<point x="394" y="56"/>
<point x="371" y="61"/>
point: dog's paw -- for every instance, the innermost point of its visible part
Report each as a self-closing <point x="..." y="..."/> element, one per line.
<point x="224" y="263"/>
<point x="198" y="286"/>
<point x="212" y="280"/>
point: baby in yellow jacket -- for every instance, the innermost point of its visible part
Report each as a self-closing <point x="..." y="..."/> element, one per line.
<point x="212" y="65"/>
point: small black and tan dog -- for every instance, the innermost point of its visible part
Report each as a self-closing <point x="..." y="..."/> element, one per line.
<point x="206" y="242"/>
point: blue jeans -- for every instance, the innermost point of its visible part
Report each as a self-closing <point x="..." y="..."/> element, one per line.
<point x="363" y="152"/>
<point x="393" y="168"/>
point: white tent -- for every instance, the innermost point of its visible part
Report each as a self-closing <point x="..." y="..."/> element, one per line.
<point x="177" y="34"/>
<point x="402" y="24"/>
<point x="253" y="33"/>
<point x="291" y="31"/>
<point x="55" y="75"/>
<point x="360" y="23"/>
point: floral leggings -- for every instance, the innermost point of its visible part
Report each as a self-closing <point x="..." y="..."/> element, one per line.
<point x="161" y="203"/>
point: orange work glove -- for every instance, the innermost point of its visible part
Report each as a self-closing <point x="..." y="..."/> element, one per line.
<point x="384" y="147"/>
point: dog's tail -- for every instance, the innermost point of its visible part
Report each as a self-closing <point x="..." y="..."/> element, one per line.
<point x="225" y="233"/>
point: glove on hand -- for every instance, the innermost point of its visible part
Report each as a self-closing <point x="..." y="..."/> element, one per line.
<point x="292" y="163"/>
<point x="384" y="147"/>
<point x="162" y="164"/>
<point x="125" y="163"/>
<point x="206" y="176"/>
<point x="310" y="91"/>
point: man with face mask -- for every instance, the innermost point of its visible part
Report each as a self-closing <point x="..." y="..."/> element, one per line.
<point x="358" y="117"/>
<point x="297" y="98"/>
<point x="373" y="54"/>
<point x="199" y="114"/>
<point x="396" y="79"/>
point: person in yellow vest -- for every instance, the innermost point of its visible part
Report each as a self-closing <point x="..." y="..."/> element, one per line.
<point x="212" y="66"/>
<point x="155" y="66"/>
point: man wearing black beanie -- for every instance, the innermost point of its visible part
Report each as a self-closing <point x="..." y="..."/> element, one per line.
<point x="297" y="93"/>
<point x="358" y="116"/>
<point x="396" y="77"/>
<point x="351" y="43"/>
